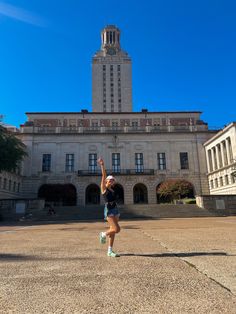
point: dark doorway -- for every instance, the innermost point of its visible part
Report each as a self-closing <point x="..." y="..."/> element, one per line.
<point x="120" y="192"/>
<point x="140" y="194"/>
<point x="92" y="194"/>
<point x="59" y="194"/>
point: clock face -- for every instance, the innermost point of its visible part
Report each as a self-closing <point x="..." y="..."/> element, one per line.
<point x="111" y="51"/>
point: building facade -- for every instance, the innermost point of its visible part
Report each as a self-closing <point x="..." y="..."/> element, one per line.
<point x="141" y="148"/>
<point x="221" y="161"/>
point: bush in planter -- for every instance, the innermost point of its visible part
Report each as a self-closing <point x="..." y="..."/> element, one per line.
<point x="174" y="189"/>
<point x="190" y="201"/>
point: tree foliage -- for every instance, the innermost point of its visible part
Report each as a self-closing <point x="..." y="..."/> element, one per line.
<point x="175" y="189"/>
<point x="12" y="150"/>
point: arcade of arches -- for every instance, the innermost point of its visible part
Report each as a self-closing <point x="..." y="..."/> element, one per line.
<point x="59" y="194"/>
<point x="65" y="194"/>
<point x="92" y="194"/>
<point x="140" y="194"/>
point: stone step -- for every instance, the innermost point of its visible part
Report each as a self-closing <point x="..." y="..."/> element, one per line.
<point x="127" y="212"/>
<point x="95" y="212"/>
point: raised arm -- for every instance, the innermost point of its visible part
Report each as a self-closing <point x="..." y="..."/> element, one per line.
<point x="104" y="175"/>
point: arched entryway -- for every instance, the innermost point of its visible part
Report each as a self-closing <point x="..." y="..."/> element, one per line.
<point x="59" y="194"/>
<point x="140" y="194"/>
<point x="174" y="189"/>
<point x="92" y="194"/>
<point x="120" y="192"/>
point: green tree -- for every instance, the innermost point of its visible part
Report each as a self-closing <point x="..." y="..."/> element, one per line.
<point x="175" y="189"/>
<point x="12" y="150"/>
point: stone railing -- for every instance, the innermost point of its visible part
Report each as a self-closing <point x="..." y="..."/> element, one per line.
<point x="103" y="129"/>
<point x="97" y="172"/>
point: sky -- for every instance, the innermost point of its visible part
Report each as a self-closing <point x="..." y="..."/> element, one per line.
<point x="183" y="55"/>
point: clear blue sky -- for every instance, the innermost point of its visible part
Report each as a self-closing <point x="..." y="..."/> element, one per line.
<point x="183" y="55"/>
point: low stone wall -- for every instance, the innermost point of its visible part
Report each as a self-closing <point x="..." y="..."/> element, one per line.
<point x="15" y="208"/>
<point x="223" y="204"/>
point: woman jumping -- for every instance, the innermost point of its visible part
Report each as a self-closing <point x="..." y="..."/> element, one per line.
<point x="111" y="212"/>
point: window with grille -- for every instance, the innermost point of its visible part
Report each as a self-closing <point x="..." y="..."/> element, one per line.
<point x="46" y="166"/>
<point x="92" y="162"/>
<point x="116" y="162"/>
<point x="184" y="160"/>
<point x="139" y="162"/>
<point x="69" y="163"/>
<point x="161" y="161"/>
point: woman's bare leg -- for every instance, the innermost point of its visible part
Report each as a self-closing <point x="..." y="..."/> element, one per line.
<point x="114" y="228"/>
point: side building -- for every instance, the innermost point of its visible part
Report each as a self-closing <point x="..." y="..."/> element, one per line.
<point x="221" y="161"/>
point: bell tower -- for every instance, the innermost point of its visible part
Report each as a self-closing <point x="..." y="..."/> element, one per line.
<point x="110" y="37"/>
<point x="111" y="75"/>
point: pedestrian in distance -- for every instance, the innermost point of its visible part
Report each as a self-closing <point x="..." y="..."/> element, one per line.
<point x="111" y="212"/>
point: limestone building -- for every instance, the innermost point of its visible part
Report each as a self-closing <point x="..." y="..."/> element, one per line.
<point x="142" y="149"/>
<point x="221" y="161"/>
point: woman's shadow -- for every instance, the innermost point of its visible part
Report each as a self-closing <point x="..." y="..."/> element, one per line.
<point x="179" y="254"/>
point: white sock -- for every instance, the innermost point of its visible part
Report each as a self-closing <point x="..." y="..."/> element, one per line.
<point x="109" y="248"/>
<point x="104" y="234"/>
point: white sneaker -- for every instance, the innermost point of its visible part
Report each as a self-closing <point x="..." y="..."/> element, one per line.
<point x="102" y="238"/>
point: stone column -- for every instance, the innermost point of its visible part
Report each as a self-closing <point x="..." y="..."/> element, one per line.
<point x="217" y="157"/>
<point x="208" y="161"/>
<point x="213" y="159"/>
<point x="226" y="161"/>
<point x="222" y="153"/>
<point x="228" y="152"/>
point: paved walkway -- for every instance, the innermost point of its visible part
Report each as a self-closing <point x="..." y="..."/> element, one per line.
<point x="166" y="266"/>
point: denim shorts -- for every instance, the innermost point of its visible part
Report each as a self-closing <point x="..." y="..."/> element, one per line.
<point x="111" y="212"/>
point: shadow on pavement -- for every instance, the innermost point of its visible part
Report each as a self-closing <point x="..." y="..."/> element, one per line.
<point x="20" y="258"/>
<point x="179" y="254"/>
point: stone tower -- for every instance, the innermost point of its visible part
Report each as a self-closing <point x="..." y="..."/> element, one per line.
<point x="111" y="75"/>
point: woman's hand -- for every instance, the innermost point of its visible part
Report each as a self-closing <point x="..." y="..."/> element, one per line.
<point x="100" y="161"/>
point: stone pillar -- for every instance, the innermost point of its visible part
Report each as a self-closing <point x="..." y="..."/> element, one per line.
<point x="128" y="191"/>
<point x="152" y="196"/>
<point x="228" y="152"/>
<point x="208" y="161"/>
<point x="222" y="154"/>
<point x="217" y="157"/>
<point x="225" y="153"/>
<point x="213" y="159"/>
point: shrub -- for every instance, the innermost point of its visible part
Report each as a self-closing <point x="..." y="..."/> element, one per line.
<point x="175" y="189"/>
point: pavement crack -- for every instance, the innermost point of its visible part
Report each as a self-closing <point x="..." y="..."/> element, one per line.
<point x="209" y="277"/>
<point x="186" y="261"/>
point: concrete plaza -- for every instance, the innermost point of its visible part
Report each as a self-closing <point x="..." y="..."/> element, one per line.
<point x="166" y="266"/>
